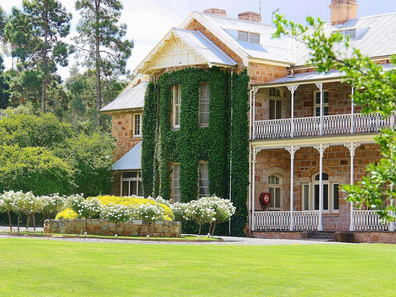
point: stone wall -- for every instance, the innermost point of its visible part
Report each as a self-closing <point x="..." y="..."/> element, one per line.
<point x="102" y="227"/>
<point x="374" y="237"/>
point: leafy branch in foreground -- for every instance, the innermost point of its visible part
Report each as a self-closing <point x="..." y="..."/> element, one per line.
<point x="375" y="92"/>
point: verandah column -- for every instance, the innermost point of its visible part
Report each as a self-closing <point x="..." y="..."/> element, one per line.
<point x="392" y="224"/>
<point x="292" y="89"/>
<point x="292" y="150"/>
<point x="320" y="87"/>
<point x="321" y="148"/>
<point x="351" y="146"/>
<point x="254" y="189"/>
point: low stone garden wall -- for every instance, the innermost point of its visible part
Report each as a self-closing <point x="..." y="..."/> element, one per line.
<point x="366" y="237"/>
<point x="102" y="227"/>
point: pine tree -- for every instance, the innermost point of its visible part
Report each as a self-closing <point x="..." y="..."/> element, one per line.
<point x="36" y="33"/>
<point x="100" y="41"/>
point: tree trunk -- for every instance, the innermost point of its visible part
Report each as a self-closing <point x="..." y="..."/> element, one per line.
<point x="34" y="223"/>
<point x="86" y="225"/>
<point x="199" y="231"/>
<point x="27" y="222"/>
<point x="19" y="217"/>
<point x="210" y="228"/>
<point x="97" y="61"/>
<point x="213" y="230"/>
<point x="9" y="220"/>
<point x="116" y="228"/>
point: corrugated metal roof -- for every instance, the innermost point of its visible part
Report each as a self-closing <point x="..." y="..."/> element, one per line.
<point x="131" y="160"/>
<point x="200" y="43"/>
<point x="129" y="99"/>
<point x="311" y="77"/>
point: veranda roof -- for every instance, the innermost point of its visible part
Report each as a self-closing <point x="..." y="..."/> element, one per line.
<point x="131" y="160"/>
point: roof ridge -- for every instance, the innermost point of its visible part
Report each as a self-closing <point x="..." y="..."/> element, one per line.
<point x="235" y="19"/>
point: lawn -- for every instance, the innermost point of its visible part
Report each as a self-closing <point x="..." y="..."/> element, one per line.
<point x="32" y="267"/>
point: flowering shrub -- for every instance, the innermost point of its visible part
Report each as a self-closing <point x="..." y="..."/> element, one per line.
<point x="67" y="214"/>
<point x="149" y="212"/>
<point x="116" y="213"/>
<point x="201" y="212"/>
<point x="179" y="211"/>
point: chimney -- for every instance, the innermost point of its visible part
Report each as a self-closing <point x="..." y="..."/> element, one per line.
<point x="342" y="11"/>
<point x="216" y="11"/>
<point x="250" y="16"/>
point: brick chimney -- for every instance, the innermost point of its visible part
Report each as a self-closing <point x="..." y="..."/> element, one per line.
<point x="250" y="16"/>
<point x="216" y="11"/>
<point x="342" y="11"/>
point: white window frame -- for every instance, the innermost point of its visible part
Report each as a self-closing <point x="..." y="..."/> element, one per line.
<point x="317" y="105"/>
<point x="250" y="37"/>
<point x="204" y="101"/>
<point x="138" y="179"/>
<point x="206" y="188"/>
<point x="275" y="98"/>
<point x="275" y="186"/>
<point x="176" y="91"/>
<point x="176" y="173"/>
<point x="140" y="125"/>
<point x="311" y="194"/>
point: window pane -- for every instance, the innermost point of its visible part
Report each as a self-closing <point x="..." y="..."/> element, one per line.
<point x="125" y="188"/>
<point x="176" y="185"/>
<point x="325" y="197"/>
<point x="335" y="197"/>
<point x="317" y="112"/>
<point x="317" y="98"/>
<point x="254" y="38"/>
<point x="325" y="97"/>
<point x="272" y="110"/>
<point x="278" y="109"/>
<point x="134" y="190"/>
<point x="271" y="192"/>
<point x="306" y="197"/>
<point x="130" y="174"/>
<point x="325" y="110"/>
<point x="325" y="176"/>
<point x="137" y="124"/>
<point x="204" y="95"/>
<point x="242" y="36"/>
<point x="316" y="197"/>
<point x="203" y="180"/>
<point x="278" y="197"/>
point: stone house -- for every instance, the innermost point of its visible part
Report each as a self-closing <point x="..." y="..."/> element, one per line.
<point x="306" y="137"/>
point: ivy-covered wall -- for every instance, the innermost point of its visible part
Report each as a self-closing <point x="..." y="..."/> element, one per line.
<point x="216" y="144"/>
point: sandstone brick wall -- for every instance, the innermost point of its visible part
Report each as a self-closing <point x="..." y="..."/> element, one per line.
<point x="116" y="185"/>
<point x="336" y="163"/>
<point x="263" y="73"/>
<point x="122" y="130"/>
<point x="278" y="235"/>
<point x="374" y="237"/>
<point x="102" y="227"/>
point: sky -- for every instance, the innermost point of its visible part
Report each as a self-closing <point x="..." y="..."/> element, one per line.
<point x="149" y="20"/>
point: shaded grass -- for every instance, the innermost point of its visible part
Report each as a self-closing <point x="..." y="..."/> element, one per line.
<point x="31" y="267"/>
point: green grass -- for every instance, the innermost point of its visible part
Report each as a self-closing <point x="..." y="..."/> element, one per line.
<point x="31" y="267"/>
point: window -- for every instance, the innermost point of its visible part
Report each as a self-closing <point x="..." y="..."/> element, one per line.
<point x="249" y="37"/>
<point x="310" y="194"/>
<point x="176" y="183"/>
<point x="137" y="125"/>
<point x="204" y="105"/>
<point x="325" y="103"/>
<point x="275" y="192"/>
<point x="203" y="173"/>
<point x="131" y="184"/>
<point x="275" y="104"/>
<point x="176" y="106"/>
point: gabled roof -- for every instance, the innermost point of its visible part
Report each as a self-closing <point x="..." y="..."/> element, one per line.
<point x="182" y="47"/>
<point x="131" y="160"/>
<point x="226" y="29"/>
<point x="132" y="97"/>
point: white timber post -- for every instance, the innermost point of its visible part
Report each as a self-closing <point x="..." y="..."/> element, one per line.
<point x="320" y="87"/>
<point x="321" y="148"/>
<point x="254" y="188"/>
<point x="352" y="111"/>
<point x="392" y="224"/>
<point x="255" y="90"/>
<point x="352" y="146"/>
<point x="292" y="150"/>
<point x="292" y="89"/>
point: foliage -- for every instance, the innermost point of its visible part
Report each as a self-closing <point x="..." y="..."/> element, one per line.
<point x="4" y="96"/>
<point x="101" y="40"/>
<point x="34" y="169"/>
<point x="36" y="32"/>
<point x="149" y="139"/>
<point x="116" y="214"/>
<point x="67" y="214"/>
<point x="201" y="212"/>
<point x="376" y="92"/>
<point x="179" y="211"/>
<point x="149" y="213"/>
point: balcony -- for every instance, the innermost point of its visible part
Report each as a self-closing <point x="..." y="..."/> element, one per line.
<point x="321" y="126"/>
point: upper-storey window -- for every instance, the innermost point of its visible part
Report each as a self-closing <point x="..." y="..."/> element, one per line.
<point x="325" y="103"/>
<point x="275" y="104"/>
<point x="137" y="125"/>
<point x="204" y="105"/>
<point x="176" y="106"/>
<point x="249" y="37"/>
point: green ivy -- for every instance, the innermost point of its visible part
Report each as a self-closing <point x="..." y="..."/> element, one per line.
<point x="148" y="142"/>
<point x="191" y="144"/>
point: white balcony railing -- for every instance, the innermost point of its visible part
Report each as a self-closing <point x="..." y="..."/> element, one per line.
<point x="316" y="126"/>
<point x="280" y="220"/>
<point x="368" y="220"/>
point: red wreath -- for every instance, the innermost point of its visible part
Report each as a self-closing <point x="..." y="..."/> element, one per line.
<point x="265" y="198"/>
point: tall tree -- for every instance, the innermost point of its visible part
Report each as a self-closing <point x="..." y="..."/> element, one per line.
<point x="101" y="41"/>
<point x="4" y="97"/>
<point x="36" y="32"/>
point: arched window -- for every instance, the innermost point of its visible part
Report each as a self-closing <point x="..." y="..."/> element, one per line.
<point x="275" y="103"/>
<point x="275" y="190"/>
